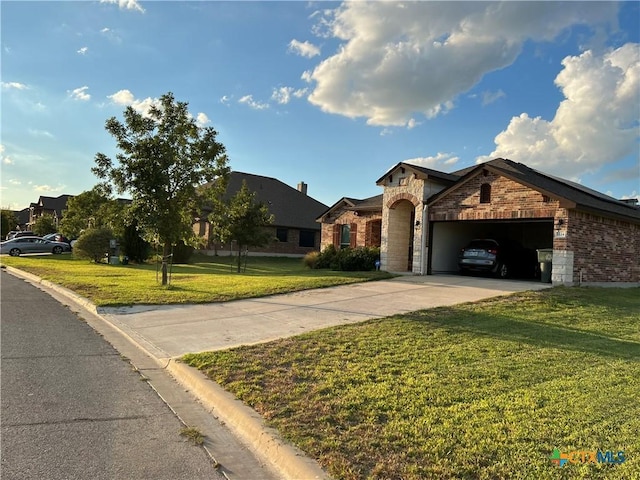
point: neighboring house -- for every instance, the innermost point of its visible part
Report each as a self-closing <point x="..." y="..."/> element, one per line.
<point x="295" y="231"/>
<point x="428" y="216"/>
<point x="352" y="223"/>
<point x="22" y="216"/>
<point x="53" y="206"/>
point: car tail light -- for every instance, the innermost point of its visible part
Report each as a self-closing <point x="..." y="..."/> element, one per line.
<point x="492" y="251"/>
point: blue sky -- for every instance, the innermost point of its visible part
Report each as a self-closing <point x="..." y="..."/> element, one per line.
<point x="332" y="94"/>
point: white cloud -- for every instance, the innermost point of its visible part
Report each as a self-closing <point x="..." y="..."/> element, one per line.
<point x="249" y="101"/>
<point x="105" y="30"/>
<point x="126" y="4"/>
<point x="490" y="97"/>
<point x="397" y="59"/>
<point x="14" y="86"/>
<point x="301" y="92"/>
<point x="225" y="100"/>
<point x="80" y="94"/>
<point x="282" y="95"/>
<point x="304" y="49"/>
<point x="14" y="181"/>
<point x="49" y="188"/>
<point x="40" y="133"/>
<point x="5" y="159"/>
<point x="126" y="98"/>
<point x="596" y="124"/>
<point x="442" y="161"/>
<point x="202" y="119"/>
<point x="83" y="50"/>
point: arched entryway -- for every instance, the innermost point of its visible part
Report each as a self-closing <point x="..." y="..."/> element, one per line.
<point x="400" y="236"/>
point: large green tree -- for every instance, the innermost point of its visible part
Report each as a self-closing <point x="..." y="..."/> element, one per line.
<point x="246" y="221"/>
<point x="164" y="156"/>
<point x="9" y="222"/>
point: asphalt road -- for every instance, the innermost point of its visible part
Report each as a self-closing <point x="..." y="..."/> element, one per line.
<point x="73" y="408"/>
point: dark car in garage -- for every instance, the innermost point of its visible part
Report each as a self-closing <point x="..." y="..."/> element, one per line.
<point x="502" y="258"/>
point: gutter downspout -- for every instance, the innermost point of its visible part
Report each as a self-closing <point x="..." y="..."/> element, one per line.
<point x="423" y="242"/>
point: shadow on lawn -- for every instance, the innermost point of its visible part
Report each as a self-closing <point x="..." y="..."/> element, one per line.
<point x="545" y="335"/>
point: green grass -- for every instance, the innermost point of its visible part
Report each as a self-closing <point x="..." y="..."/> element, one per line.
<point x="206" y="279"/>
<point x="485" y="390"/>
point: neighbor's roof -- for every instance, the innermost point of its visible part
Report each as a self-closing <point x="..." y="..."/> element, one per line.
<point x="584" y="198"/>
<point x="371" y="204"/>
<point x="57" y="204"/>
<point x="290" y="207"/>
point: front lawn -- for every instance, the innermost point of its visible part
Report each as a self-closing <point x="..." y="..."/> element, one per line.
<point x="206" y="279"/>
<point x="484" y="390"/>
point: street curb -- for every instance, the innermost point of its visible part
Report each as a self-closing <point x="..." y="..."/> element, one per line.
<point x="245" y="422"/>
<point x="248" y="425"/>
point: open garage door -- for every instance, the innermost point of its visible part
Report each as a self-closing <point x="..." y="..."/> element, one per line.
<point x="447" y="238"/>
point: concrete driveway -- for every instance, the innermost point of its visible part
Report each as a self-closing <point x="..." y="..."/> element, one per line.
<point x="169" y="331"/>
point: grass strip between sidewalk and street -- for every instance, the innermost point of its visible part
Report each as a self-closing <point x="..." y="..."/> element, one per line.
<point x="481" y="390"/>
<point x="205" y="279"/>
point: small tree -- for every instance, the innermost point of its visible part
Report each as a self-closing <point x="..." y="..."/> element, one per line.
<point x="44" y="225"/>
<point x="94" y="244"/>
<point x="92" y="209"/>
<point x="9" y="222"/>
<point x="247" y="220"/>
<point x="164" y="158"/>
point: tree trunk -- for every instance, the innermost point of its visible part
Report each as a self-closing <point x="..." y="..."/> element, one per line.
<point x="165" y="256"/>
<point x="239" y="257"/>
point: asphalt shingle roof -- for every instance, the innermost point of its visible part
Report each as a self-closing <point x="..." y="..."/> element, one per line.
<point x="290" y="207"/>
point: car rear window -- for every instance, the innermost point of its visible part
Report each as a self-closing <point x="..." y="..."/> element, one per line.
<point x="482" y="244"/>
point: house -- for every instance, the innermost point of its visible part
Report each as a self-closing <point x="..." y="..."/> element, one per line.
<point x="295" y="230"/>
<point x="351" y="222"/>
<point x="428" y="216"/>
<point x="53" y="206"/>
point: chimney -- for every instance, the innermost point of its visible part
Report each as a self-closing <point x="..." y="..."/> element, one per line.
<point x="630" y="201"/>
<point x="302" y="187"/>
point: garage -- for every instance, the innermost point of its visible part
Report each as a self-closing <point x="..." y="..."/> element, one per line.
<point x="448" y="237"/>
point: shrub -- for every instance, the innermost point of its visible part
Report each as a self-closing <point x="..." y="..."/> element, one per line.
<point x="327" y="257"/>
<point x="311" y="259"/>
<point x="182" y="252"/>
<point x="94" y="244"/>
<point x="347" y="259"/>
<point x="134" y="246"/>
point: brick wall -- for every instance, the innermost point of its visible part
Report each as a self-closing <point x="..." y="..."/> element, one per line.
<point x="367" y="233"/>
<point x="605" y="250"/>
<point x="509" y="200"/>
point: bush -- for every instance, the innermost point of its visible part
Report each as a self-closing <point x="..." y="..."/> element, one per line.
<point x="346" y="259"/>
<point x="326" y="257"/>
<point x="134" y="246"/>
<point x="356" y="259"/>
<point x="94" y="244"/>
<point x="182" y="252"/>
<point x="311" y="259"/>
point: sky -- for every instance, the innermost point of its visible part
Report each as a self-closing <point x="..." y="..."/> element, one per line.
<point x="332" y="94"/>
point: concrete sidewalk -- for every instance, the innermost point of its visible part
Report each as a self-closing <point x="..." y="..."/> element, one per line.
<point x="162" y="333"/>
<point x="170" y="331"/>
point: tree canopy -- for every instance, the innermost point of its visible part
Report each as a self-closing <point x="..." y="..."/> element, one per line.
<point x="164" y="156"/>
<point x="92" y="209"/>
<point x="44" y="225"/>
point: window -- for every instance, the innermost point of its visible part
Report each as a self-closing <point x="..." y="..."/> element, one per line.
<point x="345" y="236"/>
<point x="546" y="199"/>
<point x="282" y="234"/>
<point x="307" y="238"/>
<point x="485" y="193"/>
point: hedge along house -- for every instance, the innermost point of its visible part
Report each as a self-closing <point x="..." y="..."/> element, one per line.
<point x="295" y="231"/>
<point x="351" y="222"/>
<point x="428" y="216"/>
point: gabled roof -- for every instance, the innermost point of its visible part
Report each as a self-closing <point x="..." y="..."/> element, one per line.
<point x="577" y="196"/>
<point x="57" y="204"/>
<point x="422" y="172"/>
<point x="371" y="204"/>
<point x="290" y="207"/>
